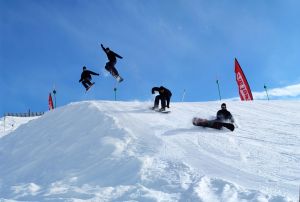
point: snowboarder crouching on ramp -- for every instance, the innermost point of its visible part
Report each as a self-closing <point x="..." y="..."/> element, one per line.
<point x="112" y="60"/>
<point x="86" y="78"/>
<point x="164" y="95"/>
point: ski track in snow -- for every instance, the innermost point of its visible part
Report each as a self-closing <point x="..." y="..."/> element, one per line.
<point x="122" y="151"/>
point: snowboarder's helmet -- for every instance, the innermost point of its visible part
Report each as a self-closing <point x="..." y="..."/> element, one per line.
<point x="84" y="67"/>
<point x="223" y="106"/>
<point x="161" y="89"/>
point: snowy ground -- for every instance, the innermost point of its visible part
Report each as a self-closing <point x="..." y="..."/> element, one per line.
<point x="11" y="123"/>
<point x="122" y="151"/>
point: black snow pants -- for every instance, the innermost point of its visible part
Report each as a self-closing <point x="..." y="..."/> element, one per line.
<point x="110" y="66"/>
<point x="163" y="100"/>
<point x="86" y="83"/>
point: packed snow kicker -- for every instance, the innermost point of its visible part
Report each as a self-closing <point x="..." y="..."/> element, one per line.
<point x="122" y="151"/>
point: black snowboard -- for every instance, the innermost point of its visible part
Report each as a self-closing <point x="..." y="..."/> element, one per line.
<point x="88" y="88"/>
<point x="164" y="112"/>
<point x="157" y="110"/>
<point x="212" y="124"/>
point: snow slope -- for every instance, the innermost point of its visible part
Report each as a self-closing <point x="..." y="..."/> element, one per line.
<point x="122" y="151"/>
<point x="11" y="123"/>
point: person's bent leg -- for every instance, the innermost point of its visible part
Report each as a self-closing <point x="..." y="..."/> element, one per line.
<point x="168" y="101"/>
<point x="156" y="101"/>
<point x="89" y="82"/>
<point x="114" y="72"/>
<point x="163" y="102"/>
<point x="107" y="66"/>
<point x="84" y="83"/>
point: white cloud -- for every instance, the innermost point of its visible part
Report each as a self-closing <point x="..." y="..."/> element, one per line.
<point x="288" y="91"/>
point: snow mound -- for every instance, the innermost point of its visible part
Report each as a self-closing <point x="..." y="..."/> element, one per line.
<point x="122" y="151"/>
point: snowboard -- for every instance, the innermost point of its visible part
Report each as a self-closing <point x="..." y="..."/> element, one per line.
<point x="119" y="79"/>
<point x="89" y="87"/>
<point x="163" y="112"/>
<point x="157" y="110"/>
<point x="212" y="124"/>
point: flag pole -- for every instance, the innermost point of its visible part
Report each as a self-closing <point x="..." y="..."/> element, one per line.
<point x="299" y="193"/>
<point x="265" y="87"/>
<point x="219" y="89"/>
<point x="54" y="93"/>
<point x="4" y="122"/>
<point x="183" y="95"/>
<point x="115" y="90"/>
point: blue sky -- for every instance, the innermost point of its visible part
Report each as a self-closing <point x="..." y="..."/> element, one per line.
<point x="181" y="44"/>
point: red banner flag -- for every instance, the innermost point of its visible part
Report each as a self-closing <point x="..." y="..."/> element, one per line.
<point x="50" y="102"/>
<point x="244" y="88"/>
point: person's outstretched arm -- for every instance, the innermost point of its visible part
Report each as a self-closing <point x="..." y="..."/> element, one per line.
<point x="93" y="73"/>
<point x="154" y="89"/>
<point x="118" y="56"/>
<point x="103" y="48"/>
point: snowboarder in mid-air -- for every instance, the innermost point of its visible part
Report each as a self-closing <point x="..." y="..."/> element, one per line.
<point x="112" y="60"/>
<point x="223" y="119"/>
<point x="86" y="78"/>
<point x="164" y="96"/>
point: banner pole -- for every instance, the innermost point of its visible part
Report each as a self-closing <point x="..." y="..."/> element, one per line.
<point x="54" y="93"/>
<point x="183" y="95"/>
<point x="4" y="123"/>
<point x="115" y="89"/>
<point x="219" y="90"/>
<point x="265" y="87"/>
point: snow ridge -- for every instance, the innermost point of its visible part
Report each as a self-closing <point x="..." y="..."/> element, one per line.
<point x="122" y="151"/>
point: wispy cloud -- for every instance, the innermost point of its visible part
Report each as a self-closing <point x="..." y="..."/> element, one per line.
<point x="287" y="92"/>
<point x="291" y="91"/>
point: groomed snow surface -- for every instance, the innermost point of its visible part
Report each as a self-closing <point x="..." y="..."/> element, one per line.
<point x="122" y="151"/>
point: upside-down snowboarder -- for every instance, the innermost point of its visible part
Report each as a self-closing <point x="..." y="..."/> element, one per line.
<point x="224" y="119"/>
<point x="164" y="96"/>
<point x="86" y="78"/>
<point x="112" y="60"/>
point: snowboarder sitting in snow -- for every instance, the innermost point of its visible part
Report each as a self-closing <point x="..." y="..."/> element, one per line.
<point x="164" y="95"/>
<point x="112" y="60"/>
<point x="224" y="115"/>
<point x="86" y="78"/>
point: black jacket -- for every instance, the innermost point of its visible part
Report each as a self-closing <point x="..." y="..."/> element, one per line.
<point x="86" y="75"/>
<point x="224" y="115"/>
<point x="111" y="56"/>
<point x="167" y="93"/>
